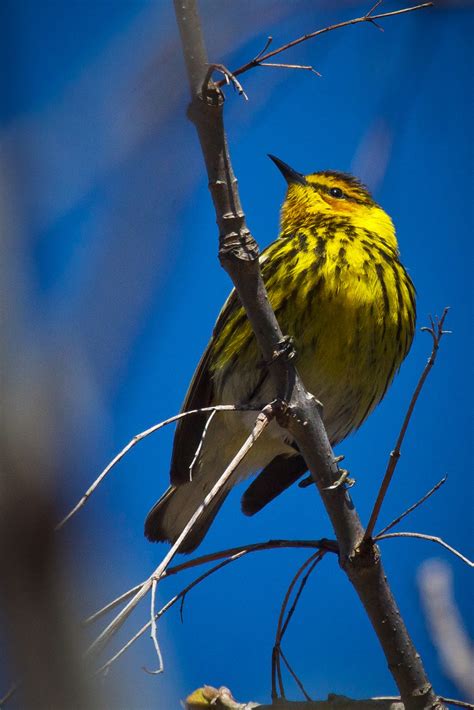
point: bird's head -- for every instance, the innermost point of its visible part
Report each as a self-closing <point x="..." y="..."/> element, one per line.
<point x="330" y="193"/>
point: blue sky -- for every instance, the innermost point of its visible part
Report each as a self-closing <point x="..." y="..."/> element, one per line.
<point x="115" y="248"/>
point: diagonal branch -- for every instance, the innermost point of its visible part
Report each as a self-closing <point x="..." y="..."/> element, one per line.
<point x="133" y="442"/>
<point x="413" y="507"/>
<point x="436" y="331"/>
<point x="368" y="17"/>
<point x="261" y="423"/>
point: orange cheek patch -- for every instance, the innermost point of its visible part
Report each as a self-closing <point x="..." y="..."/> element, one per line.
<point x="341" y="205"/>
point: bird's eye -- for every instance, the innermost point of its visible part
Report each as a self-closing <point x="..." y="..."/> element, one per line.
<point x="336" y="192"/>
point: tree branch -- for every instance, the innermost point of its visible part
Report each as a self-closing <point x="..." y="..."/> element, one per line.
<point x="133" y="442"/>
<point x="368" y="17"/>
<point x="436" y="331"/>
<point x="262" y="421"/>
<point x="238" y="254"/>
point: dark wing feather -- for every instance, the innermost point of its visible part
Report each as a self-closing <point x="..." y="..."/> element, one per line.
<point x="200" y="394"/>
<point x="275" y="478"/>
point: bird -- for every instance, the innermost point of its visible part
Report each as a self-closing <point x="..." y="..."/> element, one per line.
<point x="339" y="289"/>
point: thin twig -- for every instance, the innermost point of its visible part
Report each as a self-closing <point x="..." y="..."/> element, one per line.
<point x="294" y="676"/>
<point x="134" y="441"/>
<point x="111" y="605"/>
<point x="283" y="621"/>
<point x="181" y="595"/>
<point x="308" y="67"/>
<point x="317" y="558"/>
<point x="228" y="77"/>
<point x="204" y="576"/>
<point x="457" y="703"/>
<point x="201" y="442"/>
<point x="449" y="701"/>
<point x="430" y="538"/>
<point x="436" y="332"/>
<point x="368" y="17"/>
<point x="264" y="49"/>
<point x="323" y="544"/>
<point x="8" y="695"/>
<point x="414" y="506"/>
<point x="262" y="421"/>
<point x="154" y="632"/>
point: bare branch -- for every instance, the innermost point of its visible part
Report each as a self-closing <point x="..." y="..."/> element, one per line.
<point x="368" y="17"/>
<point x="413" y="507"/>
<point x="181" y="595"/>
<point x="308" y="67"/>
<point x="283" y="621"/>
<point x="229" y="78"/>
<point x="457" y="703"/>
<point x="430" y="538"/>
<point x="134" y="441"/>
<point x="437" y="333"/>
<point x="232" y="552"/>
<point x="265" y="47"/>
<point x="293" y="675"/>
<point x="262" y="421"/>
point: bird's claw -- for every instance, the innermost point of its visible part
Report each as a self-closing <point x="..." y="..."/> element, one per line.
<point x="342" y="480"/>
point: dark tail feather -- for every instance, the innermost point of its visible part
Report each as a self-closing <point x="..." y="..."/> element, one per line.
<point x="275" y="478"/>
<point x="168" y="517"/>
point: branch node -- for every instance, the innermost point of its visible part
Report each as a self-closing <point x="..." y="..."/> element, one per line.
<point x="237" y="243"/>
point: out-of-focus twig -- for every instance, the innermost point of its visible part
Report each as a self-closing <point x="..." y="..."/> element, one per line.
<point x="448" y="633"/>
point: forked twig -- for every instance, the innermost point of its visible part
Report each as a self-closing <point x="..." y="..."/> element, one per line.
<point x="413" y="507"/>
<point x="181" y="595"/>
<point x="283" y="620"/>
<point x="261" y="423"/>
<point x="430" y="538"/>
<point x="436" y="331"/>
<point x="368" y="17"/>
<point x="229" y="78"/>
<point x="134" y="441"/>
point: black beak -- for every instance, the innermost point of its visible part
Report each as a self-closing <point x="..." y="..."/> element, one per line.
<point x="290" y="175"/>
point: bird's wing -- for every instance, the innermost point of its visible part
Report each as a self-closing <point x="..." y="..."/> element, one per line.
<point x="275" y="478"/>
<point x="200" y="394"/>
<point x="201" y="390"/>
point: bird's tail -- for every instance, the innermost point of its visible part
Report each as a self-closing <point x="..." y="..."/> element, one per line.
<point x="168" y="517"/>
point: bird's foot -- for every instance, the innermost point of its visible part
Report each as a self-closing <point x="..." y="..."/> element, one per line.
<point x="342" y="480"/>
